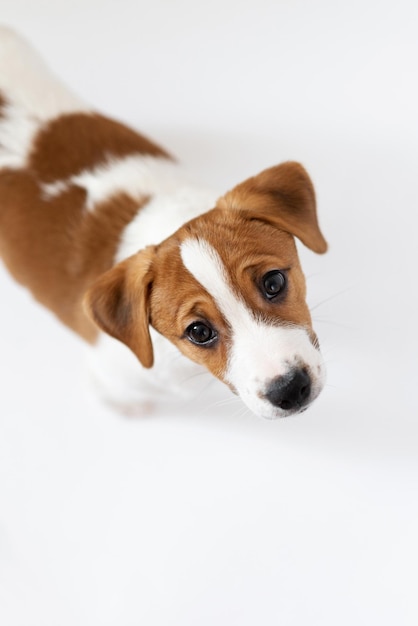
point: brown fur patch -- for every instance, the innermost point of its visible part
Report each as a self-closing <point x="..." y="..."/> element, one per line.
<point x="56" y="248"/>
<point x="75" y="142"/>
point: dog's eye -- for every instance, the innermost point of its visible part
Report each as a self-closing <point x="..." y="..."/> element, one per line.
<point x="200" y="334"/>
<point x="274" y="283"/>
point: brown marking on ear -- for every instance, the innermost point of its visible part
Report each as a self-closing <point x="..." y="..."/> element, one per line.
<point x="118" y="302"/>
<point x="283" y="196"/>
<point x="75" y="142"/>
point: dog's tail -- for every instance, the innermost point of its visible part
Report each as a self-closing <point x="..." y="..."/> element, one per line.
<point x="30" y="95"/>
<point x="26" y="81"/>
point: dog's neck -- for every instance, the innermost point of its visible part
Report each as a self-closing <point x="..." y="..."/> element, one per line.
<point x="172" y="200"/>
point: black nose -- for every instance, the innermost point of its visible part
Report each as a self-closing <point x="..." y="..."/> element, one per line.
<point x="290" y="391"/>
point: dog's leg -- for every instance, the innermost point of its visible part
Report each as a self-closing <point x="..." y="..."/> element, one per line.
<point x="121" y="382"/>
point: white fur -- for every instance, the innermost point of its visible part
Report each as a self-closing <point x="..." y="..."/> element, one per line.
<point x="33" y="94"/>
<point x="141" y="176"/>
<point x="123" y="383"/>
<point x="174" y="201"/>
<point x="17" y="131"/>
<point x="204" y="263"/>
<point x="260" y="352"/>
<point x="27" y="81"/>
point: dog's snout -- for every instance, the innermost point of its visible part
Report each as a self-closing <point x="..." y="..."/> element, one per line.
<point x="291" y="391"/>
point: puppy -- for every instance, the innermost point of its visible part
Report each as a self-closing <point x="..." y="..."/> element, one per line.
<point x="163" y="278"/>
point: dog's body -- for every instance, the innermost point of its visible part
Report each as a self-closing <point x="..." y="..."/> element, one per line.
<point x="88" y="206"/>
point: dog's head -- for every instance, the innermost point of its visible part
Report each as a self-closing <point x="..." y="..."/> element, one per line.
<point x="228" y="290"/>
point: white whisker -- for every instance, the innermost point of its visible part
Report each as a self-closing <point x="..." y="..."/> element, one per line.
<point x="319" y="320"/>
<point x="336" y="295"/>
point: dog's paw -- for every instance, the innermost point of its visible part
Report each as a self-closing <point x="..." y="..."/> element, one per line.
<point x="124" y="406"/>
<point x="135" y="409"/>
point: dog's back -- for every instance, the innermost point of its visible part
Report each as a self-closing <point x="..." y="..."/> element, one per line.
<point x="50" y="238"/>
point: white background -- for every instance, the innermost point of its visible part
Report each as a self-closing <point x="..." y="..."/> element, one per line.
<point x="208" y="515"/>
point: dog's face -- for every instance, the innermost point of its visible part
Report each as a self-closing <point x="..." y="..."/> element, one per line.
<point x="228" y="290"/>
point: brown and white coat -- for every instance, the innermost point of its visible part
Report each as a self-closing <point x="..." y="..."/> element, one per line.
<point x="107" y="232"/>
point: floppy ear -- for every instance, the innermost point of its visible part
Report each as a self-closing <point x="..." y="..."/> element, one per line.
<point x="118" y="302"/>
<point x="283" y="196"/>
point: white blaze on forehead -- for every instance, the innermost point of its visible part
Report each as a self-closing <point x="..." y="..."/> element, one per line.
<point x="206" y="266"/>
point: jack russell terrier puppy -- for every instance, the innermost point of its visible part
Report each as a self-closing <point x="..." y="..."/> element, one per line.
<point x="104" y="229"/>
